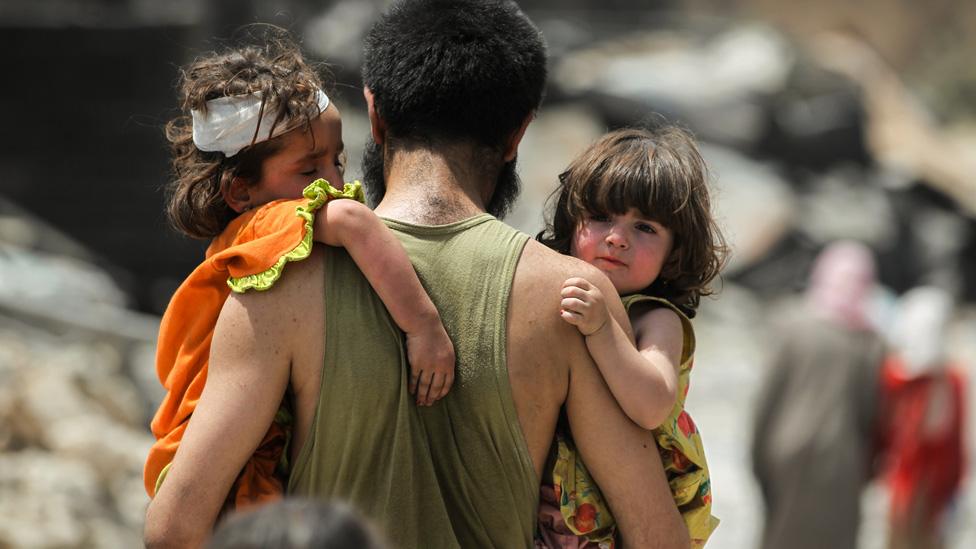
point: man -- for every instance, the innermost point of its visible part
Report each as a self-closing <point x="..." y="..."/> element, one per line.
<point x="451" y="88"/>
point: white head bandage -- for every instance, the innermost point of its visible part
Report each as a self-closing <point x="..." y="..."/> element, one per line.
<point x="232" y="123"/>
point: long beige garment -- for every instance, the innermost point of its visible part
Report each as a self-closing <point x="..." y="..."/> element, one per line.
<point x="812" y="438"/>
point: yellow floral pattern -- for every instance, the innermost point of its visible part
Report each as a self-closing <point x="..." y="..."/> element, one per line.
<point x="582" y="505"/>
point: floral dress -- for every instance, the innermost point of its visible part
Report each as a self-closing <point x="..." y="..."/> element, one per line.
<point x="572" y="510"/>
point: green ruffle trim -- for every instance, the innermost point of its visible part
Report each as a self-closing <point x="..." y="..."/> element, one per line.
<point x="161" y="477"/>
<point x="318" y="192"/>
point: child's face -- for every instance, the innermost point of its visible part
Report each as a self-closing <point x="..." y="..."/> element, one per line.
<point x="628" y="248"/>
<point x="302" y="160"/>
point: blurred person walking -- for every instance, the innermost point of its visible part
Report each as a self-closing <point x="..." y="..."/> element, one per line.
<point x="923" y="403"/>
<point x="816" y="419"/>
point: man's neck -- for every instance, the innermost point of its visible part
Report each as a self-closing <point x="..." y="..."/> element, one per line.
<point x="431" y="187"/>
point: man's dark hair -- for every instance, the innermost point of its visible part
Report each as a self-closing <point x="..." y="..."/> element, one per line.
<point x="273" y="65"/>
<point x="454" y="69"/>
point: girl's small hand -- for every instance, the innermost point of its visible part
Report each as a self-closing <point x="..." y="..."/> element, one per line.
<point x="431" y="356"/>
<point x="583" y="306"/>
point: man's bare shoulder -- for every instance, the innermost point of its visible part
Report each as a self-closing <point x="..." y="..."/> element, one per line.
<point x="540" y="277"/>
<point x="544" y="264"/>
<point x="291" y="316"/>
<point x="297" y="295"/>
<point x="538" y="281"/>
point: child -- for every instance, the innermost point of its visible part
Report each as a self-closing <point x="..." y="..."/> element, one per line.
<point x="260" y="130"/>
<point x="923" y="416"/>
<point x="635" y="204"/>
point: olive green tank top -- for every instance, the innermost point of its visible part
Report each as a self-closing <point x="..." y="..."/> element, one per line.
<point x="457" y="474"/>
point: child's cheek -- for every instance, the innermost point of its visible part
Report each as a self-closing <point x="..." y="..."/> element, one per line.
<point x="583" y="243"/>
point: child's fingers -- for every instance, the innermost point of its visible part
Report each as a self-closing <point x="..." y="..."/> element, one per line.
<point x="575" y="305"/>
<point x="436" y="386"/>
<point x="575" y="291"/>
<point x="423" y="386"/>
<point x="448" y="383"/>
<point x="571" y="317"/>
<point x="414" y="378"/>
<point x="579" y="282"/>
<point x="585" y="296"/>
<point x="448" y="377"/>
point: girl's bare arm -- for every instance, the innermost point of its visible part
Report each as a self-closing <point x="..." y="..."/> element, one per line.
<point x="642" y="376"/>
<point x="385" y="264"/>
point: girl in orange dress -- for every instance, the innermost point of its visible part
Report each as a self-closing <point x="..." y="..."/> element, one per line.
<point x="257" y="160"/>
<point x="635" y="205"/>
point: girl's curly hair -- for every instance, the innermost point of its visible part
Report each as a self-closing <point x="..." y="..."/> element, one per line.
<point x="660" y="172"/>
<point x="288" y="84"/>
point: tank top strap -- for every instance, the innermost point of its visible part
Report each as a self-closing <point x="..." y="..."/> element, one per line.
<point x="688" y="332"/>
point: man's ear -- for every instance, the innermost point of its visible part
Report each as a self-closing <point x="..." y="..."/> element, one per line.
<point x="511" y="147"/>
<point x="237" y="195"/>
<point x="376" y="124"/>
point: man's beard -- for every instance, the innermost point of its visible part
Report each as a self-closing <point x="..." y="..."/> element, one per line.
<point x="507" y="189"/>
<point x="507" y="186"/>
<point x="373" y="168"/>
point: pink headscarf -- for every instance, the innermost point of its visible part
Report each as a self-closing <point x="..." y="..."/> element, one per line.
<point x="841" y="284"/>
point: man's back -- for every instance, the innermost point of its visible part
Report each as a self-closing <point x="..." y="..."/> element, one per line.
<point x="476" y="444"/>
<point x="358" y="436"/>
<point x="518" y="365"/>
<point x="399" y="463"/>
<point x="464" y="456"/>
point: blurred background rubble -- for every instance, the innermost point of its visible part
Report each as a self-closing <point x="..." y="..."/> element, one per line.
<point x="820" y="121"/>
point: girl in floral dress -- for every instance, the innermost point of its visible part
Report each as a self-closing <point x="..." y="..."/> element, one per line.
<point x="635" y="204"/>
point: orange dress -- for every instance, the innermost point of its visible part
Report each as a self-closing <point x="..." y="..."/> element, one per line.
<point x="250" y="254"/>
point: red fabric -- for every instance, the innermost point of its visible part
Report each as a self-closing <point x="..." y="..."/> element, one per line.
<point x="922" y="463"/>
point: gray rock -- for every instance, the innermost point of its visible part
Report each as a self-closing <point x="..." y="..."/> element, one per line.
<point x="902" y="134"/>
<point x="558" y="135"/>
<point x="130" y="500"/>
<point x="847" y="202"/>
<point x="106" y="533"/>
<point x="711" y="84"/>
<point x="47" y="396"/>
<point x="754" y="206"/>
<point x="38" y="276"/>
<point x="72" y="443"/>
<point x="111" y="449"/>
<point x="45" y="500"/>
<point x="336" y="34"/>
